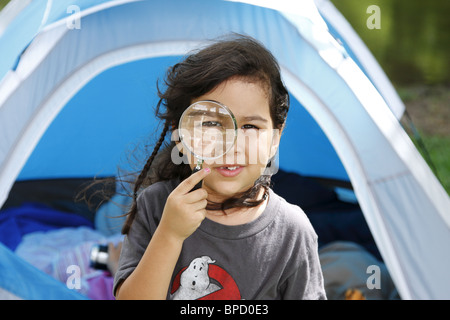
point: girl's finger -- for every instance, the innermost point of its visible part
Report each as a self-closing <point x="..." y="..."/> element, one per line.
<point x="189" y="183"/>
<point x="199" y="205"/>
<point x="195" y="196"/>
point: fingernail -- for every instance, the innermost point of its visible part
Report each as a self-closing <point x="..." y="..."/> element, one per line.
<point x="207" y="170"/>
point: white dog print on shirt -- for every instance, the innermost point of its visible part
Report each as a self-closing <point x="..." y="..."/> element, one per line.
<point x="195" y="282"/>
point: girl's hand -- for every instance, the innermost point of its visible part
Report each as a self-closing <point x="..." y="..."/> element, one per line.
<point x="185" y="210"/>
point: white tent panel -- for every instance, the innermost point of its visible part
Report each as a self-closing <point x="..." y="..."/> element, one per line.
<point x="414" y="230"/>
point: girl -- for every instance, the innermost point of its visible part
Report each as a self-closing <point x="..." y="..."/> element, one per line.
<point x="233" y="238"/>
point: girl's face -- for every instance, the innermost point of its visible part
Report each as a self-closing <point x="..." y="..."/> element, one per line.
<point x="256" y="142"/>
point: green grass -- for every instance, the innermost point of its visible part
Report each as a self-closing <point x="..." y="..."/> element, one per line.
<point x="438" y="157"/>
<point x="429" y="109"/>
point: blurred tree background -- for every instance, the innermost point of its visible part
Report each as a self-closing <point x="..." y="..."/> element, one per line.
<point x="3" y="3"/>
<point x="413" y="42"/>
<point x="412" y="46"/>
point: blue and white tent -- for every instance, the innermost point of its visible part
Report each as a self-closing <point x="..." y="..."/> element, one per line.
<point x="77" y="82"/>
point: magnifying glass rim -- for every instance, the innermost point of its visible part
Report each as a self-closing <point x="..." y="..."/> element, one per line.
<point x="234" y="124"/>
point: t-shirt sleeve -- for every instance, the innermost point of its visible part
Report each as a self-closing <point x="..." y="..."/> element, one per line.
<point x="133" y="246"/>
<point x="150" y="204"/>
<point x="306" y="282"/>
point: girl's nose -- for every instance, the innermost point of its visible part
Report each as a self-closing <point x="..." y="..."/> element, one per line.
<point x="245" y="147"/>
<point x="241" y="142"/>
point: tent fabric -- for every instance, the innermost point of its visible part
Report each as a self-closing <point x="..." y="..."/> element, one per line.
<point x="21" y="281"/>
<point x="342" y="30"/>
<point x="48" y="65"/>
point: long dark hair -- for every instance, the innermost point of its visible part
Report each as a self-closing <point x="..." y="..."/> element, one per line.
<point x="199" y="73"/>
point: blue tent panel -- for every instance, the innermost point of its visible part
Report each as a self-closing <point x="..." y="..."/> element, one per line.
<point x="119" y="105"/>
<point x="317" y="157"/>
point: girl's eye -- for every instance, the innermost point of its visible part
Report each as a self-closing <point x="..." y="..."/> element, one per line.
<point x="211" y="124"/>
<point x="249" y="126"/>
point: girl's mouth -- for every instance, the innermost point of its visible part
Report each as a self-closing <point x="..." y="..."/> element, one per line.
<point x="229" y="171"/>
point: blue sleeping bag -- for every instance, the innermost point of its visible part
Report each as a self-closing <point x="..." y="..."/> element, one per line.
<point x="30" y="217"/>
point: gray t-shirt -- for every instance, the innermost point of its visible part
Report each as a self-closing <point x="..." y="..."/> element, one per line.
<point x="273" y="257"/>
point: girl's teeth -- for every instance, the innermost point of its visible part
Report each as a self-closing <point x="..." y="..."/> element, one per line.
<point x="231" y="168"/>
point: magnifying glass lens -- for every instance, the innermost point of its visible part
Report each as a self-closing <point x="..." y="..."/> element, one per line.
<point x="207" y="130"/>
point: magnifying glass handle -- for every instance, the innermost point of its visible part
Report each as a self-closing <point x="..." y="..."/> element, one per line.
<point x="197" y="168"/>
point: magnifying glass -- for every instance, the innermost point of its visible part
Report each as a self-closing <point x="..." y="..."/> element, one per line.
<point x="208" y="130"/>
